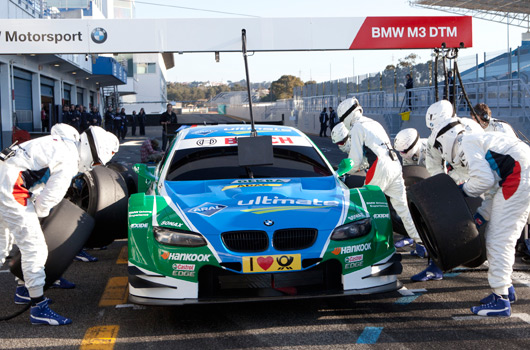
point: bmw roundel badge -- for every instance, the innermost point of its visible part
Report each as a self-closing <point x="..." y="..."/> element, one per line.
<point x="268" y="222"/>
<point x="99" y="35"/>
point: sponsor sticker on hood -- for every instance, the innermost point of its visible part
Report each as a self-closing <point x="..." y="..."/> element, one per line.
<point x="207" y="209"/>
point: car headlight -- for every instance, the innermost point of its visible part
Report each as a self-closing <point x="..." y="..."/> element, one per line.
<point x="178" y="238"/>
<point x="351" y="230"/>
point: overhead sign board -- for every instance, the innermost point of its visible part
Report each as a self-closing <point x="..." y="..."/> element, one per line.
<point x="50" y="36"/>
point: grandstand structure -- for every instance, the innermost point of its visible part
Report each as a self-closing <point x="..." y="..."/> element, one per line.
<point x="512" y="12"/>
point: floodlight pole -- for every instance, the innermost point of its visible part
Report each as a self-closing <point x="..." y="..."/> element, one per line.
<point x="253" y="131"/>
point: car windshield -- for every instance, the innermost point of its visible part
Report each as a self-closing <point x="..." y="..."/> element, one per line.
<point x="214" y="163"/>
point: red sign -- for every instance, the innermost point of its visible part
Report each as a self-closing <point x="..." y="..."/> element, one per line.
<point x="414" y="33"/>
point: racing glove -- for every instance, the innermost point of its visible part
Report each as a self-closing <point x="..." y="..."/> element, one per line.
<point x="479" y="220"/>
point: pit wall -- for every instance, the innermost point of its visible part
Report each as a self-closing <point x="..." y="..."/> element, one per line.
<point x="307" y="121"/>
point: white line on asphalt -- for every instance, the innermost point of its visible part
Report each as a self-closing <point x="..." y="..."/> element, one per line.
<point x="410" y="292"/>
<point x="471" y="318"/>
<point x="132" y="306"/>
<point x="521" y="278"/>
<point x="524" y="317"/>
<point x="4" y="271"/>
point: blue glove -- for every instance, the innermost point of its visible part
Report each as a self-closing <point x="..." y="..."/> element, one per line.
<point x="479" y="220"/>
<point x="461" y="187"/>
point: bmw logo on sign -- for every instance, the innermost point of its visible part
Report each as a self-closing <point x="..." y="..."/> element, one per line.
<point x="99" y="35"/>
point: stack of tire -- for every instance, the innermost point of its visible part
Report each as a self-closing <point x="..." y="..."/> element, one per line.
<point x="93" y="214"/>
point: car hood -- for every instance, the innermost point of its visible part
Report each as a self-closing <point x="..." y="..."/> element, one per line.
<point x="213" y="207"/>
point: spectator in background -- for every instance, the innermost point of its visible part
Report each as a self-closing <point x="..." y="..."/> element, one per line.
<point x="124" y="123"/>
<point x="84" y="121"/>
<point x="44" y="118"/>
<point x="109" y="120"/>
<point x="167" y="118"/>
<point x="450" y="82"/>
<point x="149" y="152"/>
<point x="333" y="118"/>
<point x="134" y="121"/>
<point x="409" y="85"/>
<point x="323" y="118"/>
<point x="141" y="121"/>
<point x="94" y="117"/>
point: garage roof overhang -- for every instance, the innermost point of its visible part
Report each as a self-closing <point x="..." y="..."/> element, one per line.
<point x="515" y="12"/>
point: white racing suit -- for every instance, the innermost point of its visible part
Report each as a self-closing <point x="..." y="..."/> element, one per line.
<point x="499" y="167"/>
<point x="385" y="171"/>
<point x="500" y="126"/>
<point x="55" y="155"/>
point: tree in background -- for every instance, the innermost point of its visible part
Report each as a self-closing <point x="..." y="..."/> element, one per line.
<point x="283" y="88"/>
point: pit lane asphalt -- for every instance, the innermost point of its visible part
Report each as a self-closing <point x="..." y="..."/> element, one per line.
<point x="431" y="315"/>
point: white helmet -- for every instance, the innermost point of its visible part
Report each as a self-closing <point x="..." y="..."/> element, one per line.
<point x="438" y="112"/>
<point x="443" y="138"/>
<point x="407" y="142"/>
<point x="349" y="111"/>
<point x="97" y="147"/>
<point x="340" y="136"/>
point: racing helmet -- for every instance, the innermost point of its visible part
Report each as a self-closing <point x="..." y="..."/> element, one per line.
<point x="437" y="113"/>
<point x="340" y="135"/>
<point x="443" y="139"/>
<point x="97" y="147"/>
<point x="407" y="142"/>
<point x="349" y="111"/>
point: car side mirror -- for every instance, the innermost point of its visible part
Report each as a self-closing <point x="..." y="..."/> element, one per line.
<point x="345" y="165"/>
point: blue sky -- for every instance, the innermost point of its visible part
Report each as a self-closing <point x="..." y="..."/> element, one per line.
<point x="319" y="66"/>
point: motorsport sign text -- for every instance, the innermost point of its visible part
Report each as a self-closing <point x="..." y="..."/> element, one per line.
<point x="98" y="36"/>
<point x="55" y="37"/>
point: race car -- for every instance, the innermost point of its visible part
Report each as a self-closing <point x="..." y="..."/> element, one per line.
<point x="210" y="225"/>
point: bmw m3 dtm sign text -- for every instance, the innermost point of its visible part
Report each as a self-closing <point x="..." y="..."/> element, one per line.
<point x="42" y="36"/>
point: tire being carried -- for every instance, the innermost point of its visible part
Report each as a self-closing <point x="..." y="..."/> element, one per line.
<point x="66" y="229"/>
<point x="444" y="222"/>
<point x="103" y="194"/>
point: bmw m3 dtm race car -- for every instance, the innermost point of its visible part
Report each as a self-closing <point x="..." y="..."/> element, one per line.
<point x="207" y="227"/>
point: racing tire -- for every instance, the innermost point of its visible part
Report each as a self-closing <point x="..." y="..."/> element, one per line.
<point x="102" y="192"/>
<point x="413" y="174"/>
<point x="130" y="177"/>
<point x="66" y="230"/>
<point x="444" y="222"/>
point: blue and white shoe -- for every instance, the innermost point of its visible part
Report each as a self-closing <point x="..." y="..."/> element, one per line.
<point x="22" y="295"/>
<point x="431" y="273"/>
<point x="420" y="251"/>
<point x="404" y="242"/>
<point x="42" y="314"/>
<point x="63" y="284"/>
<point x="85" y="257"/>
<point x="498" y="307"/>
<point x="512" y="297"/>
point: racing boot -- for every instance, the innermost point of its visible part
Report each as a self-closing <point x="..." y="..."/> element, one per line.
<point x="432" y="272"/>
<point x="42" y="314"/>
<point x="499" y="306"/>
<point x="22" y="295"/>
<point x="404" y="242"/>
<point x="85" y="257"/>
<point x="512" y="297"/>
<point x="63" y="284"/>
<point x="420" y="251"/>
